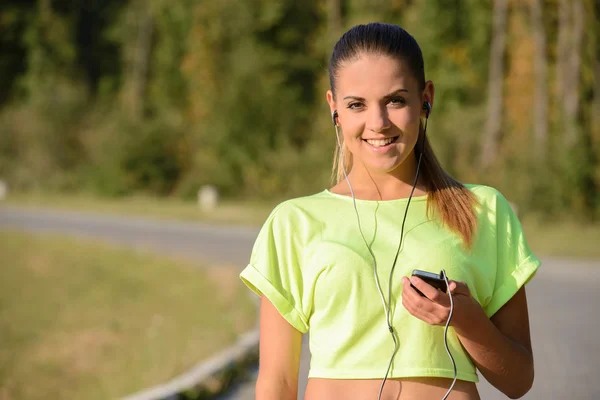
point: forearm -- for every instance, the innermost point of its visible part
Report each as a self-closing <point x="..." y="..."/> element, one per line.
<point x="504" y="363"/>
<point x="273" y="388"/>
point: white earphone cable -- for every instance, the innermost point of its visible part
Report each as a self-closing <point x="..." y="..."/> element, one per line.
<point x="446" y="335"/>
<point x="387" y="305"/>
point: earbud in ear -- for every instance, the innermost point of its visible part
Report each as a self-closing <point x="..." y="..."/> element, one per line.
<point x="427" y="108"/>
<point x="334" y="116"/>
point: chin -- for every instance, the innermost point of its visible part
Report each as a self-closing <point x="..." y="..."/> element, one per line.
<point x="382" y="168"/>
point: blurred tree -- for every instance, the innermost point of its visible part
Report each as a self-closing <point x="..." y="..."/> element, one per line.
<point x="98" y="54"/>
<point x="489" y="150"/>
<point x="162" y="96"/>
<point x="14" y="21"/>
<point x="334" y="19"/>
<point x="594" y="117"/>
<point x="254" y="72"/>
<point x="137" y="31"/>
<point x="47" y="141"/>
<point x="540" y="110"/>
<point x="570" y="36"/>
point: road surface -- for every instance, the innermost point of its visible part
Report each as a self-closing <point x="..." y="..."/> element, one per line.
<point x="564" y="297"/>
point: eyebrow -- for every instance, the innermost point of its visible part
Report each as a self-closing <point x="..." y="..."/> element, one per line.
<point x="387" y="96"/>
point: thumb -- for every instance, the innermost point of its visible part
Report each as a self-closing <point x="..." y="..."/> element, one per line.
<point x="458" y="287"/>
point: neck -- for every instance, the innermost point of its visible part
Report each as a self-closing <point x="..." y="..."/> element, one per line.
<point x="394" y="184"/>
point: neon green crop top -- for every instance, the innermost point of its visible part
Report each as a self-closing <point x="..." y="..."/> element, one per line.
<point x="311" y="262"/>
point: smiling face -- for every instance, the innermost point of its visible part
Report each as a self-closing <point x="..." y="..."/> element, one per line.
<point x="380" y="104"/>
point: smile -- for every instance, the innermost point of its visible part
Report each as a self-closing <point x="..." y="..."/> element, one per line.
<point x="381" y="142"/>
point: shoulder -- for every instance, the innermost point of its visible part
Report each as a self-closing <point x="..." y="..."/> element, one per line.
<point x="293" y="224"/>
<point x="300" y="213"/>
<point x="297" y="206"/>
<point x="494" y="212"/>
<point x="489" y="198"/>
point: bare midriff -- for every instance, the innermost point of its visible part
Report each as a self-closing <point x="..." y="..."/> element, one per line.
<point x="394" y="389"/>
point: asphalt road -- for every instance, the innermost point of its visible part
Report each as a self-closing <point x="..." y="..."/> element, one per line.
<point x="564" y="297"/>
<point x="205" y="243"/>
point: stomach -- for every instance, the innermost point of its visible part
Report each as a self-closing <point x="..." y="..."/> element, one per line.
<point x="394" y="389"/>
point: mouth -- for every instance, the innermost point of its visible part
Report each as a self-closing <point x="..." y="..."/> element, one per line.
<point x="381" y="143"/>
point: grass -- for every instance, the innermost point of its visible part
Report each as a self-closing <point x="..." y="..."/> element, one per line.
<point x="563" y="238"/>
<point x="227" y="212"/>
<point x="84" y="320"/>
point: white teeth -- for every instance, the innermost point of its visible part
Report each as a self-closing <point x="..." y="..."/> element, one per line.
<point x="379" y="143"/>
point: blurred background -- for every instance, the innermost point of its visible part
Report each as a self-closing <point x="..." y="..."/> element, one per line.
<point x="159" y="97"/>
<point x="129" y="107"/>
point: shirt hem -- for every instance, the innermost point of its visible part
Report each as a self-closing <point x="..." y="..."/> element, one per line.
<point x="395" y="374"/>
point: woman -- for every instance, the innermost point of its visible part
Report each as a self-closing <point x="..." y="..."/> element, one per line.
<point x="339" y="262"/>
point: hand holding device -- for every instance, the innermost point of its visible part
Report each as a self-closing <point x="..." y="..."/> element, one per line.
<point x="435" y="280"/>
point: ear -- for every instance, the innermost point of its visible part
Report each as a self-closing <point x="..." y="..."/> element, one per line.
<point x="428" y="95"/>
<point x="331" y="102"/>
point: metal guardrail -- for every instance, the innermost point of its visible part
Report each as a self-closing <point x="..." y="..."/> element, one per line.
<point x="203" y="373"/>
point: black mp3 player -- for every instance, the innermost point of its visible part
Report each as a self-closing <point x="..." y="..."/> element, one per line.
<point x="435" y="280"/>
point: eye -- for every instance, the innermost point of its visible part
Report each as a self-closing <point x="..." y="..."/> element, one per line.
<point x="354" y="106"/>
<point x="398" y="101"/>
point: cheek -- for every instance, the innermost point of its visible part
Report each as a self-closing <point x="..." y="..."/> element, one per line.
<point x="353" y="142"/>
<point x="406" y="120"/>
<point x="353" y="130"/>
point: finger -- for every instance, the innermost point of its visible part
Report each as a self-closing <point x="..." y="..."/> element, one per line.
<point x="429" y="291"/>
<point x="452" y="285"/>
<point x="412" y="294"/>
<point x="421" y="310"/>
<point x="438" y="299"/>
<point x="419" y="306"/>
<point x="414" y="308"/>
<point x="411" y="298"/>
<point x="408" y="290"/>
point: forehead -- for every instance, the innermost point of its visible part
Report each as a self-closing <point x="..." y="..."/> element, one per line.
<point x="373" y="76"/>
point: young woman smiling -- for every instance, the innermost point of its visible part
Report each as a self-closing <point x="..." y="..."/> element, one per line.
<point x="338" y="263"/>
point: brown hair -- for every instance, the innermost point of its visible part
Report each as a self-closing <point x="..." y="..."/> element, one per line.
<point x="454" y="203"/>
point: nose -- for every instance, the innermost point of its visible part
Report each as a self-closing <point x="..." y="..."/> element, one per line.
<point x="378" y="120"/>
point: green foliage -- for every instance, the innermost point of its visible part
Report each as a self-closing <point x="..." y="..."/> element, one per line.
<point x="13" y="24"/>
<point x="454" y="40"/>
<point x="40" y="144"/>
<point x="161" y="97"/>
<point x="259" y="96"/>
<point x="148" y="162"/>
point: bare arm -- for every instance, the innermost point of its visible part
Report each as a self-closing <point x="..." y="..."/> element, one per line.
<point x="279" y="356"/>
<point x="500" y="346"/>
